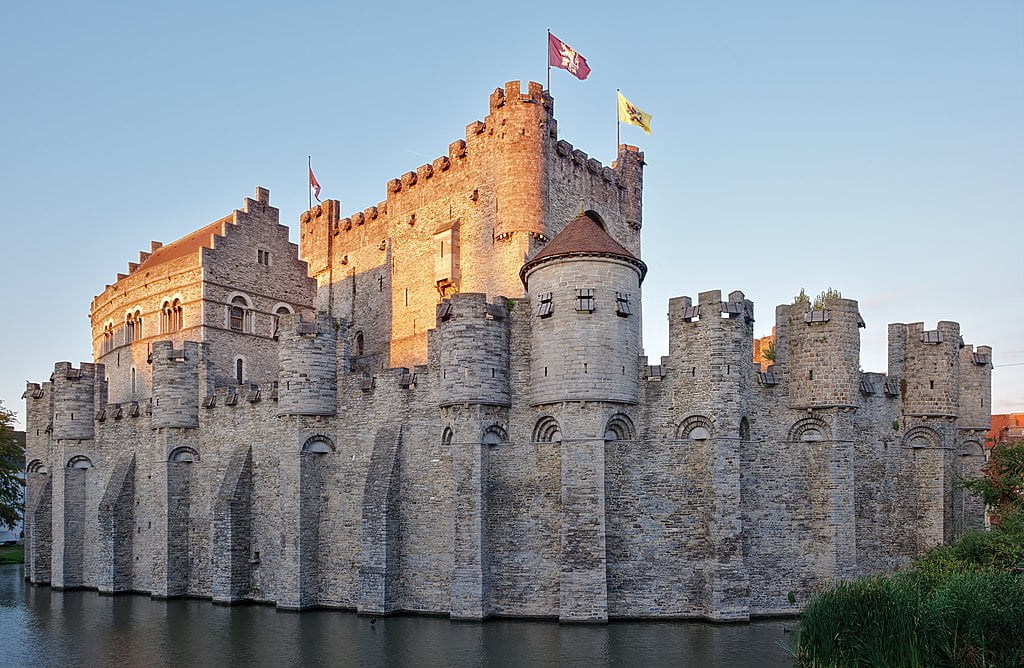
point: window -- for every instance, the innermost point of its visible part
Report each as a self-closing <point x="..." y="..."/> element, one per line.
<point x="585" y="300"/>
<point x="108" y="338"/>
<point x="359" y="343"/>
<point x="263" y="257"/>
<point x="170" y="316"/>
<point x="544" y="308"/>
<point x="622" y="307"/>
<point x="239" y="315"/>
<point x="131" y="381"/>
<point x="278" y="312"/>
<point x="239" y="371"/>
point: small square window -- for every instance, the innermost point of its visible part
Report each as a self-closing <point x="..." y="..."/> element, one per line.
<point x="622" y="307"/>
<point x="585" y="300"/>
<point x="263" y="257"/>
<point x="545" y="308"/>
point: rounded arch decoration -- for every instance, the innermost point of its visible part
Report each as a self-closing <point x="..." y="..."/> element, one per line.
<point x="619" y="428"/>
<point x="494" y="435"/>
<point x="184" y="455"/>
<point x="318" y="444"/>
<point x="547" y="430"/>
<point x="921" y="437"/>
<point x="972" y="449"/>
<point x="36" y="466"/>
<point x="694" y="428"/>
<point x="80" y="462"/>
<point x="809" y="430"/>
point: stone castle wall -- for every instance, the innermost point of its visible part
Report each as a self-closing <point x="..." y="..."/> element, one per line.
<point x="421" y="435"/>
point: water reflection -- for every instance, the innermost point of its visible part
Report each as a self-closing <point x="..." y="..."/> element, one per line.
<point x="39" y="626"/>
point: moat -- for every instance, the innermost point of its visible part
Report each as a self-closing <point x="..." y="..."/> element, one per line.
<point x="41" y="627"/>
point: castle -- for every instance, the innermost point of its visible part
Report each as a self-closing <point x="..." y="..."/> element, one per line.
<point x="443" y="407"/>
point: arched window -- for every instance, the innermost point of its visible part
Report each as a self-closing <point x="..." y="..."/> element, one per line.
<point x="744" y="429"/>
<point x="547" y="430"/>
<point x="619" y="428"/>
<point x="809" y="430"/>
<point x="240" y="314"/>
<point x="170" y="316"/>
<point x="239" y="371"/>
<point x="183" y="454"/>
<point x="131" y="381"/>
<point x="359" y="343"/>
<point x="108" y="338"/>
<point x="318" y="445"/>
<point x="36" y="466"/>
<point x="494" y="435"/>
<point x="79" y="462"/>
<point x="278" y="312"/>
<point x="694" y="428"/>
<point x="129" y="328"/>
<point x="447" y="435"/>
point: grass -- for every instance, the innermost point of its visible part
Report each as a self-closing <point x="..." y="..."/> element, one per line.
<point x="960" y="605"/>
<point x="14" y="554"/>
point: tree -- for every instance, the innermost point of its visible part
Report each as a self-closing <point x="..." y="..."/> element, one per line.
<point x="12" y="459"/>
<point x="1002" y="486"/>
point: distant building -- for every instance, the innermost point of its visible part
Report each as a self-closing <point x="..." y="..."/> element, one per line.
<point x="1006" y="427"/>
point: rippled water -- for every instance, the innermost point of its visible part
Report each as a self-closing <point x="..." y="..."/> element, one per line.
<point x="39" y="627"/>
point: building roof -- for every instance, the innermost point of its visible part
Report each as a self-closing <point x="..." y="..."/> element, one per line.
<point x="584" y="235"/>
<point x="187" y="245"/>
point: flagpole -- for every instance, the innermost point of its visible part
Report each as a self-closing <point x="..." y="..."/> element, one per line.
<point x="309" y="187"/>
<point x="547" y="47"/>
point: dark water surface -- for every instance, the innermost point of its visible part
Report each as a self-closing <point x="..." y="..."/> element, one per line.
<point x="42" y="627"/>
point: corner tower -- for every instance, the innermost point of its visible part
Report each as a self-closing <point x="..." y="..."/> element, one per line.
<point x="585" y="297"/>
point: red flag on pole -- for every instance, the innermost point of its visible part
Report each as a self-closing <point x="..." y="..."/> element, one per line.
<point x="314" y="184"/>
<point x="565" y="57"/>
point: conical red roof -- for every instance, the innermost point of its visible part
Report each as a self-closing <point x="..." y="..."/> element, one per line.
<point x="582" y="236"/>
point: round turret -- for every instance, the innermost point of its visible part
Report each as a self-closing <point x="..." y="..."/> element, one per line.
<point x="474" y="350"/>
<point x="584" y="292"/>
<point x="929" y="382"/>
<point x="823" y="353"/>
<point x="308" y="384"/>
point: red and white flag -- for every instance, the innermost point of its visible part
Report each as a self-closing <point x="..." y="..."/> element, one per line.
<point x="314" y="184"/>
<point x="564" y="56"/>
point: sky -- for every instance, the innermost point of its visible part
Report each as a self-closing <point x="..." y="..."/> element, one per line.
<point x="873" y="147"/>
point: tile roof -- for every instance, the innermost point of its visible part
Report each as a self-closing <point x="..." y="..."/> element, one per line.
<point x="582" y="236"/>
<point x="187" y="245"/>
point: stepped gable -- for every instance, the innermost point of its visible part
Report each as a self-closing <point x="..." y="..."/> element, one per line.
<point x="584" y="235"/>
<point x="188" y="244"/>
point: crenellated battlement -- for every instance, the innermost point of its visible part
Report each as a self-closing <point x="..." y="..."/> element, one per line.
<point x="76" y="392"/>
<point x="472" y="340"/>
<point x="308" y="353"/>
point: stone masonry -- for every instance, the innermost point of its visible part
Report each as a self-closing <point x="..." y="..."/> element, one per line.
<point x="439" y="404"/>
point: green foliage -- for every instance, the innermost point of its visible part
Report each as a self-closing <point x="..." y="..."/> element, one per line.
<point x="960" y="605"/>
<point x="801" y="298"/>
<point x="895" y="425"/>
<point x="1002" y="487"/>
<point x="825" y="298"/>
<point x="15" y="554"/>
<point x="769" y="352"/>
<point x="12" y="459"/>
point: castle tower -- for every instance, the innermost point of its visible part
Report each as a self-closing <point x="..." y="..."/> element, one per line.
<point x="822" y="352"/>
<point x="584" y="292"/>
<point x="474" y="350"/>
<point x="473" y="341"/>
<point x="308" y="384"/>
<point x="175" y="384"/>
<point x="711" y="353"/>
<point x="585" y="296"/>
<point x="38" y="490"/>
<point x="927" y="364"/>
<point x="74" y="396"/>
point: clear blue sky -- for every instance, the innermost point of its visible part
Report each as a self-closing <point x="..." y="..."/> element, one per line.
<point x="874" y="147"/>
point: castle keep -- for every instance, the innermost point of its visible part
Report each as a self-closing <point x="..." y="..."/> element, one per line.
<point x="443" y="407"/>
